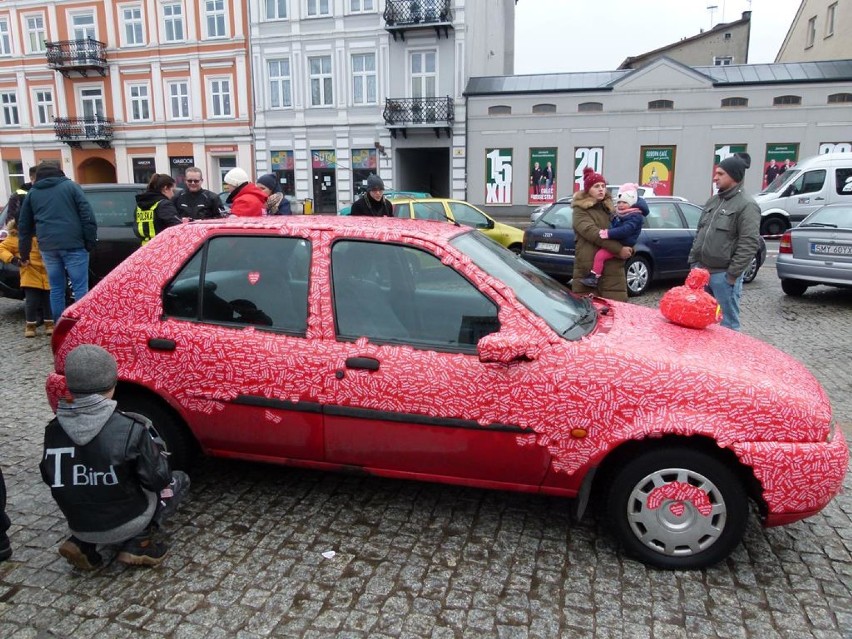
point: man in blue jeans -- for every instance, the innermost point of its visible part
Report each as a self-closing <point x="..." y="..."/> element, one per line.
<point x="728" y="236"/>
<point x="57" y="212"/>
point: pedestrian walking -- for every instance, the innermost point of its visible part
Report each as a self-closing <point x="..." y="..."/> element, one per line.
<point x="57" y="211"/>
<point x="33" y="279"/>
<point x="728" y="236"/>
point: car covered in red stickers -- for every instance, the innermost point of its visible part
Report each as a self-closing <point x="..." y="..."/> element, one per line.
<point x="408" y="349"/>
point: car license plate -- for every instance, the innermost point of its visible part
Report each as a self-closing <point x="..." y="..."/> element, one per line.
<point x="831" y="249"/>
<point x="547" y="246"/>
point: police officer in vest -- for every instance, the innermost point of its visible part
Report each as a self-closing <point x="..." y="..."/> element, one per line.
<point x="195" y="202"/>
<point x="154" y="208"/>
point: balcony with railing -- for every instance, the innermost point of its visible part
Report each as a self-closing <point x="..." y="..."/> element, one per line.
<point x="75" y="131"/>
<point x="82" y="56"/>
<point x="400" y="114"/>
<point x="407" y="15"/>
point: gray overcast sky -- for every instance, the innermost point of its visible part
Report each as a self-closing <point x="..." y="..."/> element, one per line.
<point x="567" y="35"/>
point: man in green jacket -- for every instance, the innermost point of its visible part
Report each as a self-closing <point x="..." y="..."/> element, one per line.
<point x="728" y="236"/>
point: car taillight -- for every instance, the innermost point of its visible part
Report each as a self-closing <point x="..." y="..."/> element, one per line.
<point x="60" y="332"/>
<point x="786" y="245"/>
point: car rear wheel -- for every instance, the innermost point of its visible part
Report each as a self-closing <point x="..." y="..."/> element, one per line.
<point x="751" y="271"/>
<point x="677" y="508"/>
<point x="773" y="225"/>
<point x="794" y="288"/>
<point x="178" y="445"/>
<point x="638" y="271"/>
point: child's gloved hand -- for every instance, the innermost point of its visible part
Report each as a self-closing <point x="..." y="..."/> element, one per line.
<point x="604" y="234"/>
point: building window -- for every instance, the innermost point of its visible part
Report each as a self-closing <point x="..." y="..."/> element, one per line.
<point x="35" y="34"/>
<point x="811" y="34"/>
<point x="544" y="108"/>
<point x="15" y="169"/>
<point x="364" y="78"/>
<point x="783" y="100"/>
<point x="220" y="98"/>
<point x="44" y="106"/>
<point x="500" y="109"/>
<point x="5" y="40"/>
<point x="319" y="7"/>
<point x="132" y="18"/>
<point x="173" y="22"/>
<point x="216" y="18"/>
<point x="734" y="102"/>
<point x="728" y="35"/>
<point x="424" y="74"/>
<point x="589" y="107"/>
<point x="321" y="80"/>
<point x="840" y="98"/>
<point x="660" y="105"/>
<point x="139" y="102"/>
<point x="178" y="100"/>
<point x="83" y="26"/>
<point x="276" y="9"/>
<point x="722" y="60"/>
<point x="829" y="19"/>
<point x="361" y="6"/>
<point x="9" y="103"/>
<point x="280" y="87"/>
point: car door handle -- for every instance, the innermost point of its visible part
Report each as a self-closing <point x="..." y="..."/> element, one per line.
<point x="161" y="344"/>
<point x="365" y="363"/>
<point x="819" y="199"/>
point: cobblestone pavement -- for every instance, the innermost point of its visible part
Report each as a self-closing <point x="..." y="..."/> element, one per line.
<point x="418" y="560"/>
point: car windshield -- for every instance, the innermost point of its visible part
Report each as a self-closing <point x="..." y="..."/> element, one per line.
<point x="570" y="316"/>
<point x="839" y="217"/>
<point x="780" y="182"/>
<point x="558" y="216"/>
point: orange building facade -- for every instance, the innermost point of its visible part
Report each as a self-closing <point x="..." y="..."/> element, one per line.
<point x="118" y="90"/>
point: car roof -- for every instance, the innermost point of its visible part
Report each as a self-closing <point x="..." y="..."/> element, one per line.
<point x="112" y="187"/>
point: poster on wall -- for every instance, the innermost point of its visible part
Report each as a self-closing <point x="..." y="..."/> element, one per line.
<point x="282" y="160"/>
<point x="779" y="158"/>
<point x="586" y="156"/>
<point x="656" y="168"/>
<point x="542" y="186"/>
<point x="835" y="147"/>
<point x="498" y="176"/>
<point x="723" y="152"/>
<point x="364" y="159"/>
<point x="325" y="159"/>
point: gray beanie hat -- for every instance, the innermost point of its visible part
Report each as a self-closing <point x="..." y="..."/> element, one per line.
<point x="736" y="165"/>
<point x="89" y="369"/>
<point x="374" y="182"/>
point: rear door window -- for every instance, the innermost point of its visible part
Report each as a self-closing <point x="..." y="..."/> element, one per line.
<point x="843" y="181"/>
<point x="113" y="208"/>
<point x="429" y="211"/>
<point x="469" y="216"/>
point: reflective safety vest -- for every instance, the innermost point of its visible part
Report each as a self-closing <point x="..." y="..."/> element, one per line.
<point x="145" y="223"/>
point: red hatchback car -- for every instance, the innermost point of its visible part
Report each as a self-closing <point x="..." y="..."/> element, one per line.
<point x="420" y="350"/>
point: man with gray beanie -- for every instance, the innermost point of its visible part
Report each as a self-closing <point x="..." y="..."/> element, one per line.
<point x="108" y="471"/>
<point x="728" y="236"/>
<point x="373" y="203"/>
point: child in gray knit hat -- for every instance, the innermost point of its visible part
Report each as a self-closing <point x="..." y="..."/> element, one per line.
<point x="108" y="471"/>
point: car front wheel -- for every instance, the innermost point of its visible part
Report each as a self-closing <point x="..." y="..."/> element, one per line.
<point x="638" y="271"/>
<point x="794" y="288"/>
<point x="677" y="508"/>
<point x="178" y="444"/>
<point x="773" y="225"/>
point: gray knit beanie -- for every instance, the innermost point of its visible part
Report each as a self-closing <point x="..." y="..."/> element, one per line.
<point x="736" y="165"/>
<point x="374" y="182"/>
<point x="89" y="369"/>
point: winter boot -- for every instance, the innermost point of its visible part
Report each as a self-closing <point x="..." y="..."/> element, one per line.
<point x="590" y="281"/>
<point x="80" y="554"/>
<point x="30" y="329"/>
<point x="142" y="551"/>
<point x="48" y="327"/>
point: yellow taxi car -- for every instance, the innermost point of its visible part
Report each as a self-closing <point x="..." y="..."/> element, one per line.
<point x="445" y="210"/>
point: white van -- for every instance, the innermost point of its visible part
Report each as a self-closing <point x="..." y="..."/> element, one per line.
<point x="803" y="188"/>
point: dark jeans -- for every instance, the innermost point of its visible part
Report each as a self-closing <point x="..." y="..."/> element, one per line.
<point x="36" y="304"/>
<point x="4" y="518"/>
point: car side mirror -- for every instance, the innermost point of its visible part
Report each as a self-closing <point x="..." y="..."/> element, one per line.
<point x="489" y="223"/>
<point x="505" y="348"/>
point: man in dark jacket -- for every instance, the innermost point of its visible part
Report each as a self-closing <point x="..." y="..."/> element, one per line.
<point x="728" y="236"/>
<point x="195" y="202"/>
<point x="57" y="211"/>
<point x="107" y="470"/>
<point x="373" y="203"/>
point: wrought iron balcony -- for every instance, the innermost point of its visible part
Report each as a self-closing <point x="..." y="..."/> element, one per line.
<point x="75" y="131"/>
<point x="403" y="15"/>
<point x="81" y="56"/>
<point x="402" y="113"/>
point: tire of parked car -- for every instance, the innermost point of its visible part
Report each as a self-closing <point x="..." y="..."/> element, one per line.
<point x="638" y="271"/>
<point x="178" y="445"/>
<point x="773" y="225"/>
<point x="794" y="288"/>
<point x="677" y="508"/>
<point x="751" y="271"/>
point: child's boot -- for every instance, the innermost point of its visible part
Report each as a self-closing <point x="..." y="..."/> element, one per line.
<point x="48" y="327"/>
<point x="30" y="329"/>
<point x="590" y="281"/>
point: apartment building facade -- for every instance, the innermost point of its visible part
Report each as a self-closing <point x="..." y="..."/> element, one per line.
<point x="819" y="31"/>
<point x="115" y="91"/>
<point x="345" y="88"/>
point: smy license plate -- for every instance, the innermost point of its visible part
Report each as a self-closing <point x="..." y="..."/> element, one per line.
<point x="547" y="246"/>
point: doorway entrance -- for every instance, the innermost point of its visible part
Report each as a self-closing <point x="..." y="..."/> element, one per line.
<point x="424" y="170"/>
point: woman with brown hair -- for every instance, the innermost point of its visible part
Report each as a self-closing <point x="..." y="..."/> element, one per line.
<point x="155" y="210"/>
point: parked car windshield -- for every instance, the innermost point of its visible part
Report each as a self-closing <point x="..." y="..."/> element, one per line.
<point x="831" y="216"/>
<point x="780" y="182"/>
<point x="570" y="316"/>
<point x="558" y="216"/>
